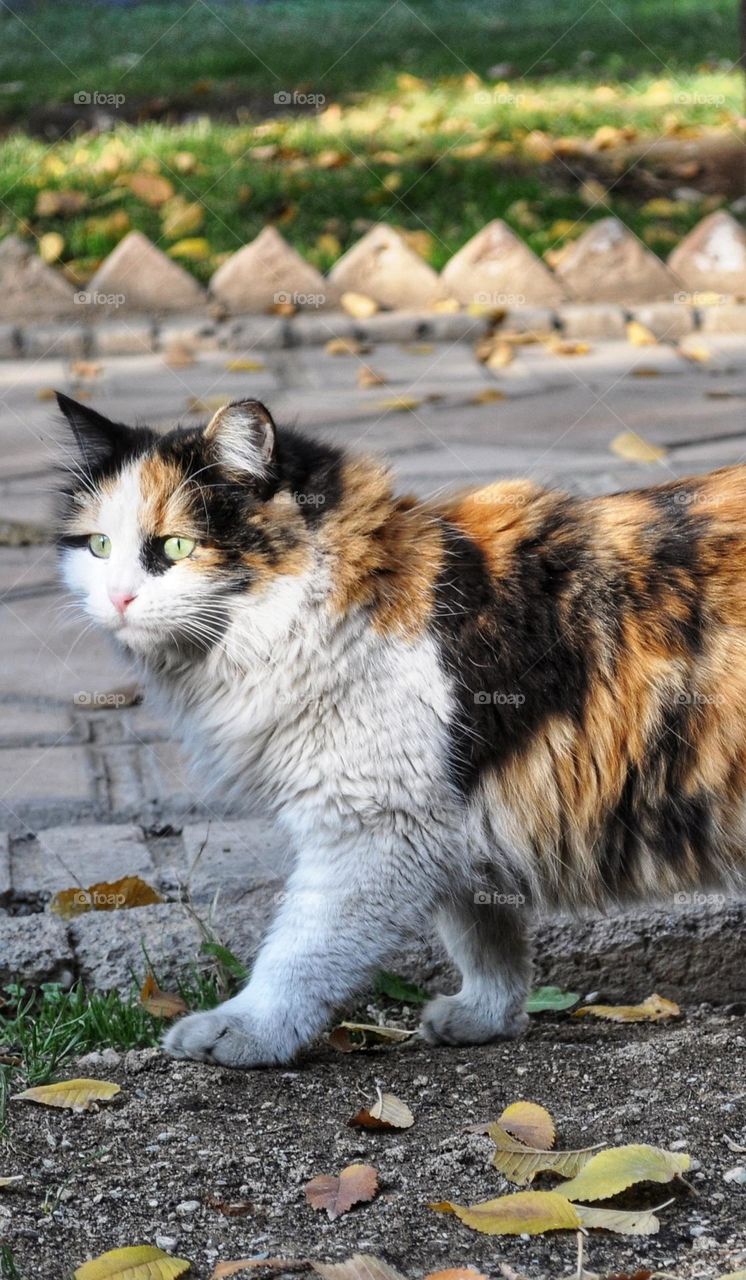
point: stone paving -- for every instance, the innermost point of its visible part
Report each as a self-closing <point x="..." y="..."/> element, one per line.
<point x="91" y="791"/>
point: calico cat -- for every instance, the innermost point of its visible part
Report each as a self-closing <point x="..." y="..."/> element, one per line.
<point x="459" y="710"/>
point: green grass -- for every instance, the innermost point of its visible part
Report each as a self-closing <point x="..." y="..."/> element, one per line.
<point x="343" y="46"/>
<point x="414" y="130"/>
<point x="43" y="1029"/>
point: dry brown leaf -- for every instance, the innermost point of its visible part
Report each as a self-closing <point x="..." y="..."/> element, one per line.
<point x="655" y="1009"/>
<point x="161" y="1004"/>
<point x="488" y="395"/>
<point x="358" y="305"/>
<point x="283" y="309"/>
<point x="645" y="371"/>
<point x="633" y="448"/>
<point x="456" y="1273"/>
<point x="152" y="188"/>
<point x="54" y="204"/>
<point x="530" y="1124"/>
<point x="337" y="1193"/>
<point x="388" y="1112"/>
<point x="87" y="369"/>
<point x="367" y="377"/>
<point x="118" y="895"/>
<point x="417" y="348"/>
<point x="179" y="355"/>
<point x="80" y="1094"/>
<point x="521" y="1163"/>
<point x="360" y="1267"/>
<point x="351" y="1037"/>
<point x="230" y="1208"/>
<point x="639" y="335"/>
<point x="245" y="364"/>
<point x="135" y="1262"/>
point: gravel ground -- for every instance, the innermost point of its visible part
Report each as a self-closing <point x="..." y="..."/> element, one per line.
<point x="181" y="1141"/>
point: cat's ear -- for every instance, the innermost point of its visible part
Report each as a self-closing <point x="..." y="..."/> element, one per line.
<point x="244" y="435"/>
<point x="99" y="440"/>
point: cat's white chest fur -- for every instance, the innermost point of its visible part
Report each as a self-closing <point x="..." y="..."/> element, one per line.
<point x="313" y="717"/>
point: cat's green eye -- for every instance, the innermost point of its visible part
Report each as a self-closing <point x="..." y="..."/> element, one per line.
<point x="177" y="548"/>
<point x="100" y="545"/>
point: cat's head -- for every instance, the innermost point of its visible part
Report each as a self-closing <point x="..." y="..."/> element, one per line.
<point x="162" y="538"/>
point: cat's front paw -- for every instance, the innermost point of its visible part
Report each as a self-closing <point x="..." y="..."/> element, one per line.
<point x="226" y="1039"/>
<point x="454" y="1020"/>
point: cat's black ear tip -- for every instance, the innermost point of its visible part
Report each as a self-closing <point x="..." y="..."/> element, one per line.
<point x="66" y="404"/>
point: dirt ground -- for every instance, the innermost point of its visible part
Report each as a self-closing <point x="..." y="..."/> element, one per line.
<point x="182" y="1141"/>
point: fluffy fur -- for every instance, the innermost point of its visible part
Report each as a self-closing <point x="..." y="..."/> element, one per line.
<point x="459" y="711"/>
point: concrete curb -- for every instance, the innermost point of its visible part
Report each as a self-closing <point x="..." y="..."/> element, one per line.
<point x="135" y="335"/>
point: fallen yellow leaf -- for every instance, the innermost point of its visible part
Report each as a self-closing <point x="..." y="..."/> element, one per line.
<point x="639" y="335"/>
<point x="487" y="396"/>
<point x="530" y="1124"/>
<point x="73" y="1095"/>
<point x="697" y="352"/>
<point x="567" y="346"/>
<point x="633" y="448"/>
<point x="244" y="364"/>
<point x="345" y="347"/>
<point x="627" y="1222"/>
<point x="609" y="1172"/>
<point x="358" y="305"/>
<point x="521" y="1163"/>
<point x="400" y="404"/>
<point x="655" y="1009"/>
<point x="51" y="246"/>
<point x="135" y="1262"/>
<point x="193" y="248"/>
<point x="532" y="1212"/>
<point x="118" y="895"/>
<point x="502" y="354"/>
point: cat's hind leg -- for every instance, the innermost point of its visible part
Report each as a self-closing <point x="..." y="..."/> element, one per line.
<point x="486" y="935"/>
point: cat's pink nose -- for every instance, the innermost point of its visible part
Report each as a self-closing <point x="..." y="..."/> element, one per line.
<point x="120" y="600"/>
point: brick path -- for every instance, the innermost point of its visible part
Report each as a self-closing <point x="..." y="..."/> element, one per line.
<point x="88" y="792"/>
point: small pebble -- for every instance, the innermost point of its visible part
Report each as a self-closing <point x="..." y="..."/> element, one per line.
<point x="187" y="1207"/>
<point x="738" y="1174"/>
<point x="166" y="1243"/>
